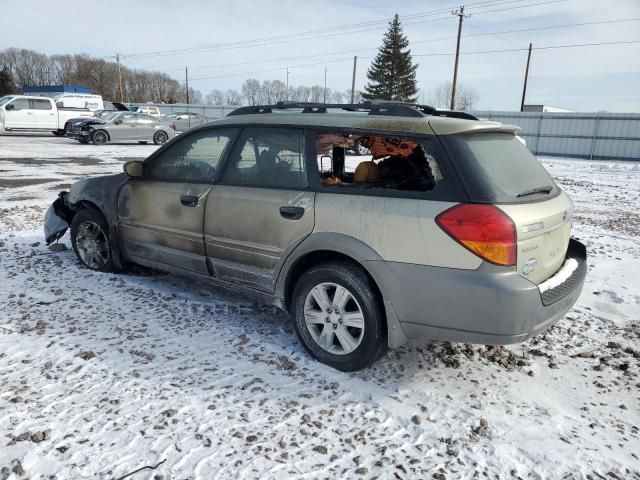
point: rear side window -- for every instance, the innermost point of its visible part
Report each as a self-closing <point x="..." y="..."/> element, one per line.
<point x="497" y="167"/>
<point x="383" y="164"/>
<point x="41" y="104"/>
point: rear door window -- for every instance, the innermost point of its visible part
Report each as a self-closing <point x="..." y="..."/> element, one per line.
<point x="497" y="167"/>
<point x="41" y="104"/>
<point x="267" y="157"/>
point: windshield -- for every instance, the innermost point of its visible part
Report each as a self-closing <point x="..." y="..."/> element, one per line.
<point x="4" y="100"/>
<point x="108" y="116"/>
<point x="497" y="167"/>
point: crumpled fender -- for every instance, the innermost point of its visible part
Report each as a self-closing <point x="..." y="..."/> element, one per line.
<point x="57" y="219"/>
<point x="100" y="192"/>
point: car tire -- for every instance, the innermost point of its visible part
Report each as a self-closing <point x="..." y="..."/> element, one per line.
<point x="91" y="242"/>
<point x="348" y="332"/>
<point x="99" y="137"/>
<point x="160" y="137"/>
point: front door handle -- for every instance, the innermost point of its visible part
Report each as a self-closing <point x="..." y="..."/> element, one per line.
<point x="291" y="213"/>
<point x="189" y="200"/>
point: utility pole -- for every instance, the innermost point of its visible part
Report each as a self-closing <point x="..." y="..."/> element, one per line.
<point x="353" y="79"/>
<point x="460" y="14"/>
<point x="526" y="77"/>
<point x="287" y="94"/>
<point x="186" y="83"/>
<point x="325" y="85"/>
<point x="120" y="78"/>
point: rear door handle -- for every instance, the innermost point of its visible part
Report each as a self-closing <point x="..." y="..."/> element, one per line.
<point x="291" y="213"/>
<point x="189" y="200"/>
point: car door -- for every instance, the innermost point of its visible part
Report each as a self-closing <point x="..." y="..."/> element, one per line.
<point x="44" y="114"/>
<point x="124" y="127"/>
<point x="19" y="114"/>
<point x="161" y="214"/>
<point x="146" y="127"/>
<point x="260" y="208"/>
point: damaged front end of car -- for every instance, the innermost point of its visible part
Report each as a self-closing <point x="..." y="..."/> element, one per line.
<point x="57" y="219"/>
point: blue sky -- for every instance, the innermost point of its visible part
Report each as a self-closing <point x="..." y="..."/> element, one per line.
<point x="584" y="79"/>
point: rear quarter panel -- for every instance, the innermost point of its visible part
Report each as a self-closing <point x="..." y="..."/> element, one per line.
<point x="398" y="229"/>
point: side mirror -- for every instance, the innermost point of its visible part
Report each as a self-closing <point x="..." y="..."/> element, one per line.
<point x="11" y="106"/>
<point x="133" y="168"/>
<point x="118" y="121"/>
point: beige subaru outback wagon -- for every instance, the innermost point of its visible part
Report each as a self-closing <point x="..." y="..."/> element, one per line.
<point x="370" y="224"/>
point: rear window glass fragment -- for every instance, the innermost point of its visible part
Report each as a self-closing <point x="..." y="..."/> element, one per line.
<point x="376" y="161"/>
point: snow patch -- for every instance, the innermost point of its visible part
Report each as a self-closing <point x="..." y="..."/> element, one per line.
<point x="560" y="277"/>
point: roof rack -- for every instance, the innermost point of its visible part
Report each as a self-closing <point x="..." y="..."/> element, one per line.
<point x="393" y="109"/>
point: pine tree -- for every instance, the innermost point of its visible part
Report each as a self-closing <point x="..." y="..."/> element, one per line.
<point x="392" y="75"/>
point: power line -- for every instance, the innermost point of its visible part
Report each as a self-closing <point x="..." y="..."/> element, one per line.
<point x="342" y="52"/>
<point x="273" y="69"/>
<point x="275" y="39"/>
<point x="447" y="54"/>
<point x="550" y="47"/>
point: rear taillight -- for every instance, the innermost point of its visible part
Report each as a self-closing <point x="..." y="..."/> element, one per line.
<point x="483" y="229"/>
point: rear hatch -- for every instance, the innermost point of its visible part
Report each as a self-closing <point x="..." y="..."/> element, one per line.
<point x="498" y="169"/>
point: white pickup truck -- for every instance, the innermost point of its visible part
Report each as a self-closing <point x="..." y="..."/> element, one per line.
<point x="22" y="112"/>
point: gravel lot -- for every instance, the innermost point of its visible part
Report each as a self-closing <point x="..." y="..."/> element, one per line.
<point x="102" y="374"/>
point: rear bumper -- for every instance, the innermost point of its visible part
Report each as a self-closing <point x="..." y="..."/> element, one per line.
<point x="490" y="305"/>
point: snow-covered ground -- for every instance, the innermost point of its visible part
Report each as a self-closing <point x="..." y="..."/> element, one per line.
<point x="103" y="374"/>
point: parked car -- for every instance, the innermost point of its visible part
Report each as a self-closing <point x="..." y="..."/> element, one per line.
<point x="113" y="107"/>
<point x="450" y="229"/>
<point x="182" y="121"/>
<point x="121" y="127"/>
<point x="148" y="109"/>
<point x="22" y="112"/>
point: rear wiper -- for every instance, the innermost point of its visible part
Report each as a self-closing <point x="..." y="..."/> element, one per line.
<point x="543" y="189"/>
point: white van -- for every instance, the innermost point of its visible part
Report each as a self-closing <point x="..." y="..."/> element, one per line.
<point x="79" y="100"/>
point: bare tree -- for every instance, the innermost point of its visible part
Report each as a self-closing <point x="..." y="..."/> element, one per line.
<point x="233" y="97"/>
<point x="251" y="91"/>
<point x="26" y="67"/>
<point x="215" y="97"/>
<point x="440" y="97"/>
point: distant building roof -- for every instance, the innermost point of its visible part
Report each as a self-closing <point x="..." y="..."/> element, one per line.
<point x="56" y="89"/>
<point x="545" y="108"/>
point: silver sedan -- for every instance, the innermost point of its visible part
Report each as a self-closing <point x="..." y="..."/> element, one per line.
<point x="122" y="127"/>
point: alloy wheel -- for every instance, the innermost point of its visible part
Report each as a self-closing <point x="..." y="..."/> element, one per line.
<point x="334" y="318"/>
<point x="92" y="245"/>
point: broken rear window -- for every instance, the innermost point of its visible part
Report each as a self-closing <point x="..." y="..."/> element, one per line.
<point x="377" y="161"/>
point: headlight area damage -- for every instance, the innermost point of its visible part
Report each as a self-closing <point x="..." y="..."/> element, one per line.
<point x="98" y="194"/>
<point x="57" y="219"/>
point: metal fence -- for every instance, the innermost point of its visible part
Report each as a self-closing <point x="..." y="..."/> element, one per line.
<point x="614" y="136"/>
<point x="603" y="136"/>
<point x="211" y="112"/>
